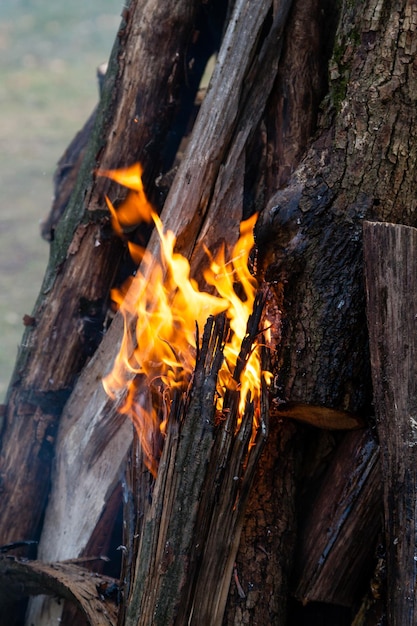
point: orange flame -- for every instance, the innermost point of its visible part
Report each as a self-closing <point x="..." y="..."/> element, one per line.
<point x="161" y="307"/>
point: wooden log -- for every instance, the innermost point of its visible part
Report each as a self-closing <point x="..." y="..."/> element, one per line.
<point x="337" y="539"/>
<point x="69" y="317"/>
<point x="259" y="589"/>
<point x="190" y="536"/>
<point x="391" y="278"/>
<point x="168" y="531"/>
<point x="228" y="483"/>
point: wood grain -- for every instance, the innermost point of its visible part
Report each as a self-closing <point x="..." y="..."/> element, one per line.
<point x="391" y="279"/>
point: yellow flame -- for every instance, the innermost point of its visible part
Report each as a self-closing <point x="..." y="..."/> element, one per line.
<point x="161" y="308"/>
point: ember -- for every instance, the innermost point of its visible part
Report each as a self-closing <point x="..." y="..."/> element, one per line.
<point x="164" y="310"/>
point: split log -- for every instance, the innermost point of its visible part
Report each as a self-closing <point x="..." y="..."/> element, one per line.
<point x="391" y="278"/>
<point x="191" y="534"/>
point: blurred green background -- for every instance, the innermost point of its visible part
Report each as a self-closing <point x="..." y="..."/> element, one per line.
<point x="49" y="52"/>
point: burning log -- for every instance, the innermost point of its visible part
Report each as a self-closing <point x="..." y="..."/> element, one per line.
<point x="66" y="580"/>
<point x="190" y="533"/>
<point x="69" y="317"/>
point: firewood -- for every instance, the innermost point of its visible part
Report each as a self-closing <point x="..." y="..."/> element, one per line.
<point x="391" y="278"/>
<point x="190" y="535"/>
<point x="70" y="314"/>
<point x="337" y="539"/>
<point x="89" y="409"/>
<point x="358" y="164"/>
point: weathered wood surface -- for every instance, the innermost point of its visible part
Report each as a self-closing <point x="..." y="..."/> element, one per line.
<point x="167" y="532"/>
<point x="391" y="279"/>
<point x="310" y="233"/>
<point x="259" y="589"/>
<point x="65" y="580"/>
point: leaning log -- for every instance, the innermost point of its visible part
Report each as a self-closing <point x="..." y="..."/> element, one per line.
<point x="69" y="317"/>
<point x="391" y="279"/>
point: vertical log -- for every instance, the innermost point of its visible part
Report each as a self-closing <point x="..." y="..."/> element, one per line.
<point x="190" y="536"/>
<point x="167" y="532"/>
<point x="391" y="279"/>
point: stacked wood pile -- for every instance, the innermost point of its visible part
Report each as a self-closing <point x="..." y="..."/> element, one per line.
<point x="309" y="121"/>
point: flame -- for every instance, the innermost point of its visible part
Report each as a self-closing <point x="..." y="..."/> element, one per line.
<point x="161" y="306"/>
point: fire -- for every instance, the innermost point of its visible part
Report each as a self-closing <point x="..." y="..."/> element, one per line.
<point x="162" y="306"/>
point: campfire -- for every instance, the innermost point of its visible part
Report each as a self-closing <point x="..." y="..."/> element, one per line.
<point x="164" y="313"/>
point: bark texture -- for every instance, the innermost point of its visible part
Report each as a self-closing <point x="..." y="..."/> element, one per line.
<point x="310" y="234"/>
<point x="89" y="592"/>
<point x="312" y="227"/>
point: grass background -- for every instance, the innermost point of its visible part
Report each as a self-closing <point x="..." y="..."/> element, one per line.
<point x="49" y="52"/>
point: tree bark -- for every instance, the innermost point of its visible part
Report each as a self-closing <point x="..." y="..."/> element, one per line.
<point x="310" y="234"/>
<point x="391" y="274"/>
<point x="189" y="537"/>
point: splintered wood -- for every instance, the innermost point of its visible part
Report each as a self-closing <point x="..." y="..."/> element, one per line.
<point x="190" y="534"/>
